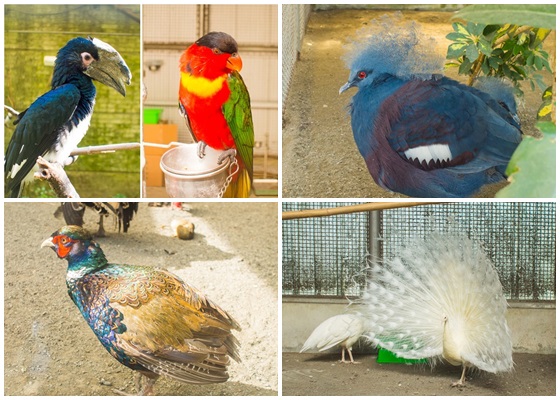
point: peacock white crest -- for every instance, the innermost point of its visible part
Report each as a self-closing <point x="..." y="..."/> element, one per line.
<point x="440" y="298"/>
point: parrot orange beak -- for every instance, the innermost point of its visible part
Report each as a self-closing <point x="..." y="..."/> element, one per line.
<point x="234" y="62"/>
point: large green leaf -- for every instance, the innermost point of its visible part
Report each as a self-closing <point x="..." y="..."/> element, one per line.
<point x="537" y="15"/>
<point x="532" y="169"/>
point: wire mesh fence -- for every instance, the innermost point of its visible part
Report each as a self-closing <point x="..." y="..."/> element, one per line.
<point x="328" y="256"/>
<point x="324" y="256"/>
<point x="294" y="19"/>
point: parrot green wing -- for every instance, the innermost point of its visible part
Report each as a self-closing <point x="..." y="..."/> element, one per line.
<point x="237" y="111"/>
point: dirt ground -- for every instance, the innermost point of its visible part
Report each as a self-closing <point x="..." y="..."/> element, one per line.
<point x="50" y="350"/>
<point x="322" y="374"/>
<point x="319" y="155"/>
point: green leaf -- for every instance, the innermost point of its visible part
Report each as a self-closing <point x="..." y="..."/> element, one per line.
<point x="545" y="111"/>
<point x="494" y="62"/>
<point x="478" y="29"/>
<point x="540" y="35"/>
<point x="532" y="168"/>
<point x="537" y="15"/>
<point x="547" y="93"/>
<point x="538" y="63"/>
<point x="455" y="50"/>
<point x="485" y="47"/>
<point x="456" y="37"/>
<point x="485" y="67"/>
<point x="465" y="68"/>
<point x="547" y="127"/>
<point x="471" y="52"/>
<point x="490" y="31"/>
<point x="460" y="28"/>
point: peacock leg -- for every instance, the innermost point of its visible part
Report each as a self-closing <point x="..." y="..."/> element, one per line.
<point x="351" y="358"/>
<point x="461" y="382"/>
<point x="343" y="356"/>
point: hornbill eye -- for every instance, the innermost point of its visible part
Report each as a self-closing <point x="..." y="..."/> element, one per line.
<point x="362" y="74"/>
<point x="87" y="58"/>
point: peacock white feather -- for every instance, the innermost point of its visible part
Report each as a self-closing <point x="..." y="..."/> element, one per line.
<point x="341" y="330"/>
<point x="440" y="298"/>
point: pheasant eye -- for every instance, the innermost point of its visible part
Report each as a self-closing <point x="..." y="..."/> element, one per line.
<point x="362" y="74"/>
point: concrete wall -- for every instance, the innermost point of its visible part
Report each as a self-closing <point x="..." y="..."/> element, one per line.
<point x="533" y="325"/>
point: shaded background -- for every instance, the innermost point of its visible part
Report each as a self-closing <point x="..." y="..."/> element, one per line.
<point x="33" y="32"/>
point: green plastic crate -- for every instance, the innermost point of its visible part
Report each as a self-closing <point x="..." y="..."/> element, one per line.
<point x="386" y="357"/>
<point x="151" y="115"/>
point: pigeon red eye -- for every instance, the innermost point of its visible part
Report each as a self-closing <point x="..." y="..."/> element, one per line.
<point x="362" y="74"/>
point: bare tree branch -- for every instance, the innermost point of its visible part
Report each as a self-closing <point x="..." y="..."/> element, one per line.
<point x="56" y="176"/>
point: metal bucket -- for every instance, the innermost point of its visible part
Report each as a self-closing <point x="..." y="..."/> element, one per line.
<point x="188" y="175"/>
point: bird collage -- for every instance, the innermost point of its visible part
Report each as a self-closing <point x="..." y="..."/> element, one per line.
<point x="277" y="199"/>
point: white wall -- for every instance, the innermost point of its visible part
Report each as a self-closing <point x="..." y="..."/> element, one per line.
<point x="533" y="327"/>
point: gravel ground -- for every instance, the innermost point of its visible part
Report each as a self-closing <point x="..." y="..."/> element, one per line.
<point x="322" y="374"/>
<point x="319" y="155"/>
<point x="50" y="350"/>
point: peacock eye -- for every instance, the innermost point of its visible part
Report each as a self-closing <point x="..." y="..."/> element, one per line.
<point x="362" y="74"/>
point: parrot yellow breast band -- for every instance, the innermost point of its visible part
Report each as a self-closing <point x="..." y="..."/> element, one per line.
<point x="200" y="86"/>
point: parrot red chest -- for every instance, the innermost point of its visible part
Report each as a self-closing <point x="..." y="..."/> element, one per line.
<point x="206" y="116"/>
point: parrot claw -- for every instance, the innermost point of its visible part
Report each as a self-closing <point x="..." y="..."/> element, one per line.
<point x="201" y="149"/>
<point x="230" y="153"/>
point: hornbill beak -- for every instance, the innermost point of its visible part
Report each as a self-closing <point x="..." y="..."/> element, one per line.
<point x="110" y="69"/>
<point x="234" y="62"/>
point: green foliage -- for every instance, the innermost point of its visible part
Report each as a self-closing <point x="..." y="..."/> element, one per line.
<point x="541" y="15"/>
<point x="508" y="39"/>
<point x="532" y="169"/>
<point x="508" y="51"/>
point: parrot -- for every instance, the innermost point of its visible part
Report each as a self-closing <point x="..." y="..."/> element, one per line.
<point x="216" y="105"/>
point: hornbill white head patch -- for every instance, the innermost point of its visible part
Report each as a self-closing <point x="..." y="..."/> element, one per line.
<point x="108" y="68"/>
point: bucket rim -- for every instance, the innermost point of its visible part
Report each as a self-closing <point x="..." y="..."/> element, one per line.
<point x="191" y="176"/>
<point x="180" y="173"/>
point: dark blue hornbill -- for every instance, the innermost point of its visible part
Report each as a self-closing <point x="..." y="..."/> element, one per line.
<point x="57" y="121"/>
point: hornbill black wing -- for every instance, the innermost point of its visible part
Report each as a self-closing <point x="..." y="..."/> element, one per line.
<point x="36" y="131"/>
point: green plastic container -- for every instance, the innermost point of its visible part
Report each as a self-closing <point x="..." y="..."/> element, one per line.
<point x="151" y="115"/>
<point x="386" y="357"/>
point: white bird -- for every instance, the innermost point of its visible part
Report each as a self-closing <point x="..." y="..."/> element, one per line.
<point x="440" y="298"/>
<point x="343" y="330"/>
